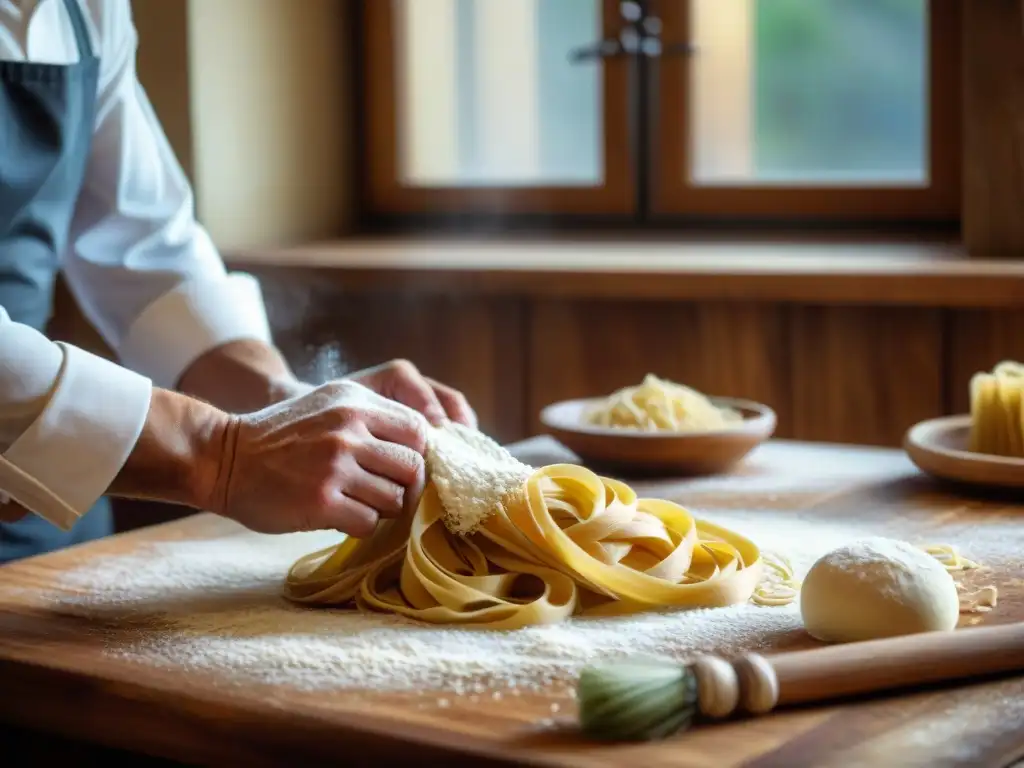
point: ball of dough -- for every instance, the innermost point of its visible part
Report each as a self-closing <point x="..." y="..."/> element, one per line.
<point x="877" y="588"/>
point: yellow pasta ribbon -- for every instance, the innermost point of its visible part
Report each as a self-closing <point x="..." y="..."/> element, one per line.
<point x="950" y="557"/>
<point x="780" y="585"/>
<point x="568" y="543"/>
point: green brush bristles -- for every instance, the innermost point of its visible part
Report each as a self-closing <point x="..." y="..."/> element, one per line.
<point x="636" y="700"/>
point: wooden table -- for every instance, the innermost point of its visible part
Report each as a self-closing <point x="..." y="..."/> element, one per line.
<point x="59" y="678"/>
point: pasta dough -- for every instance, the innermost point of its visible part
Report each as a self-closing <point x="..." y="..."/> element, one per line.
<point x="660" y="405"/>
<point x="996" y="411"/>
<point x="877" y="588"/>
<point x="564" y="541"/>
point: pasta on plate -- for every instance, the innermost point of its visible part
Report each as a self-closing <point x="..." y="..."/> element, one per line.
<point x="997" y="411"/>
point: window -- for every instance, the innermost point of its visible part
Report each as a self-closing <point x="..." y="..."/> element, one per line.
<point x="701" y="109"/>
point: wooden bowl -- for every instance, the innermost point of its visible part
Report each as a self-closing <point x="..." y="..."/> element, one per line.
<point x="659" y="453"/>
<point x="939" y="448"/>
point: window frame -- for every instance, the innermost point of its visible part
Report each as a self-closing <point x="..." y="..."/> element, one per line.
<point x="939" y="200"/>
<point x="648" y="197"/>
<point x="384" y="192"/>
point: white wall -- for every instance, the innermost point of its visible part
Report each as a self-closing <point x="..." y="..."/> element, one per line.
<point x="254" y="97"/>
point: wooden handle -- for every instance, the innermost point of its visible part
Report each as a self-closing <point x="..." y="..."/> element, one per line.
<point x="877" y="665"/>
<point x="762" y="683"/>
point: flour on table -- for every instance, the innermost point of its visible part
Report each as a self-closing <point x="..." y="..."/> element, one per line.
<point x="215" y="606"/>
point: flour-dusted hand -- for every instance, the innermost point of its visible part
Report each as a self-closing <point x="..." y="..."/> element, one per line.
<point x="401" y="381"/>
<point x="340" y="456"/>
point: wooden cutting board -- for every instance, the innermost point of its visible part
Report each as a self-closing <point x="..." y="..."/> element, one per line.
<point x="58" y="678"/>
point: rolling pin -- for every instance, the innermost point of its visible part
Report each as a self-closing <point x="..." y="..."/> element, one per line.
<point x="632" y="700"/>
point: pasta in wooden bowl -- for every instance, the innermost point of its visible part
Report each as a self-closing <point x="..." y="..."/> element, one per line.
<point x="660" y="427"/>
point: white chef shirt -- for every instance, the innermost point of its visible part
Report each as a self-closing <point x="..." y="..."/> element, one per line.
<point x="144" y="272"/>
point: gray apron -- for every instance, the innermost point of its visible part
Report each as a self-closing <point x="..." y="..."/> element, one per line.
<point x="47" y="113"/>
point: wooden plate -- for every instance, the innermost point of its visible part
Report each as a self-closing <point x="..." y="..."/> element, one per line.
<point x="675" y="453"/>
<point x="939" y="448"/>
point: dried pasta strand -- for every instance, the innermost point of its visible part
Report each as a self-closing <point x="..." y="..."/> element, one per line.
<point x="980" y="601"/>
<point x="780" y="585"/>
<point x="950" y="557"/>
<point x="569" y="542"/>
<point x="661" y="405"/>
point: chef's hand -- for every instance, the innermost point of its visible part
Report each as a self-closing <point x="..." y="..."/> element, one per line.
<point x="339" y="457"/>
<point x="399" y="380"/>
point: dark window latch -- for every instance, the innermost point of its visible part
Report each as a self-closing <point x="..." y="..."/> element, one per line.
<point x="640" y="37"/>
<point x="650" y="46"/>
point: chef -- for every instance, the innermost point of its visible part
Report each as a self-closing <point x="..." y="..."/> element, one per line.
<point x="204" y="411"/>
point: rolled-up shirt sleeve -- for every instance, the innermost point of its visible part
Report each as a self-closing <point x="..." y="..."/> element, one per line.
<point x="145" y="273"/>
<point x="68" y="420"/>
<point x="143" y="269"/>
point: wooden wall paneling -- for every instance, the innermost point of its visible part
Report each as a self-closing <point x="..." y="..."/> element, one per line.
<point x="470" y="343"/>
<point x="591" y="348"/>
<point x="978" y="339"/>
<point x="865" y="374"/>
<point x="993" y="163"/>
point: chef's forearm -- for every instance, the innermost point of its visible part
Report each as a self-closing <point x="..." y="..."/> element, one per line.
<point x="179" y="454"/>
<point x="241" y="377"/>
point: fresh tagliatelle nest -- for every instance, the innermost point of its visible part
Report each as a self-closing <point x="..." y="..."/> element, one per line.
<point x="555" y="542"/>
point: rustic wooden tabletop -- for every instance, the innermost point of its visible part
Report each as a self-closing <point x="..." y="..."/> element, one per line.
<point x="73" y="671"/>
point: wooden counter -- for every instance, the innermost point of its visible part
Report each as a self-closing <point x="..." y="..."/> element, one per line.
<point x="60" y="676"/>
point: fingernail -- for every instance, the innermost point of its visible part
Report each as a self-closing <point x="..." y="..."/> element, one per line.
<point x="436" y="416"/>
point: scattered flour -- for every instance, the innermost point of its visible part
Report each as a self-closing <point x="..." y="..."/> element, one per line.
<point x="215" y="606"/>
<point x="250" y="634"/>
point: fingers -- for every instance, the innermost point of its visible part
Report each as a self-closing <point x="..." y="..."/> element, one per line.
<point x="412" y="389"/>
<point x="385" y="497"/>
<point x="346" y="404"/>
<point x="371" y="441"/>
<point x="380" y="480"/>
<point x="455" y="403"/>
<point x="397" y="463"/>
<point x="386" y="477"/>
<point x="394" y="426"/>
<point x="401" y="382"/>
<point x="352" y="516"/>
